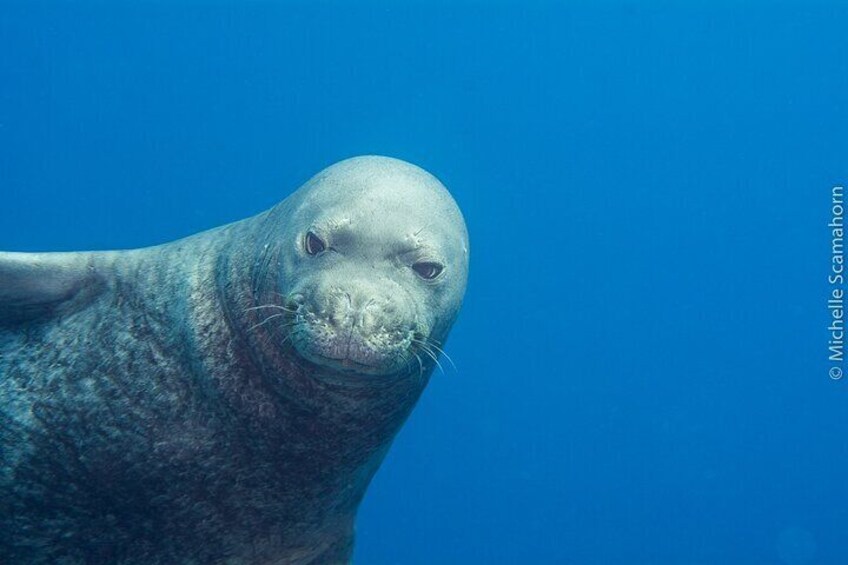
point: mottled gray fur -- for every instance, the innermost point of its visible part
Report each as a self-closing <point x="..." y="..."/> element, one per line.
<point x="154" y="410"/>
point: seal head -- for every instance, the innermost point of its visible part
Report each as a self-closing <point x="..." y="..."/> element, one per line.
<point x="374" y="262"/>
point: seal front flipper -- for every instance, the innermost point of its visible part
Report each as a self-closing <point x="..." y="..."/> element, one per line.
<point x="36" y="285"/>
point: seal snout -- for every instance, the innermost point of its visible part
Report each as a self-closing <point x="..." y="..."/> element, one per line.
<point x="352" y="329"/>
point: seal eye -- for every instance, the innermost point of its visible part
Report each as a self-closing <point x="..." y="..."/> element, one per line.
<point x="313" y="244"/>
<point x="428" y="270"/>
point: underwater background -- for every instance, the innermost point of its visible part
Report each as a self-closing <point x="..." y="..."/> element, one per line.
<point x="642" y="372"/>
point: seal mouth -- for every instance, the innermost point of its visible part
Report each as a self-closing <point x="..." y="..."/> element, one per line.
<point x="346" y="364"/>
<point x="344" y="347"/>
<point x="350" y="352"/>
<point x="341" y="332"/>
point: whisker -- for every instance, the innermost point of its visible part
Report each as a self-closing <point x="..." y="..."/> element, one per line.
<point x="408" y="356"/>
<point x="420" y="366"/>
<point x="266" y="320"/>
<point x="429" y="347"/>
<point x="432" y="344"/>
<point x="276" y="306"/>
<point x="425" y="348"/>
<point x="442" y="351"/>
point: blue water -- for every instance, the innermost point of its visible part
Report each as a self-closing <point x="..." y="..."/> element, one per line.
<point x="642" y="371"/>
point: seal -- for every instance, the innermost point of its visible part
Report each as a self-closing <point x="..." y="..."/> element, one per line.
<point x="228" y="397"/>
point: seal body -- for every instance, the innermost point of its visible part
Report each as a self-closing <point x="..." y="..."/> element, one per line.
<point x="228" y="397"/>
